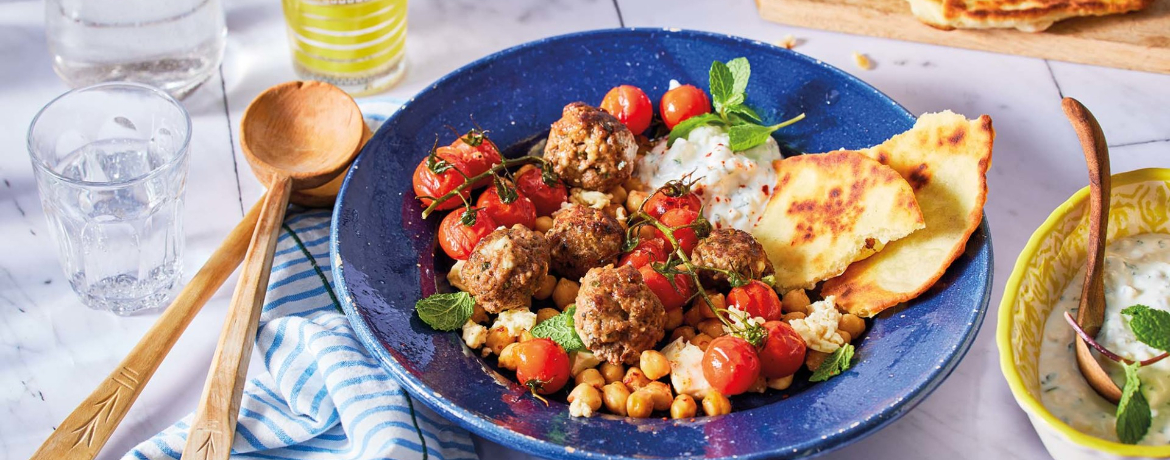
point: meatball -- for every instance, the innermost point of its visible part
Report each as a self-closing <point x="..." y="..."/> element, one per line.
<point x="590" y="149"/>
<point x="732" y="250"/>
<point x="506" y="268"/>
<point x="617" y="315"/>
<point x="582" y="238"/>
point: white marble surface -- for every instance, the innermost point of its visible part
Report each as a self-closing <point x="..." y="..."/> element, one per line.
<point x="53" y="350"/>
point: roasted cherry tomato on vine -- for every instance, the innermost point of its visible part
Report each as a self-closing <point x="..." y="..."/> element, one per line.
<point x="757" y="299"/>
<point x="542" y="365"/>
<point x="672" y="196"/>
<point x="629" y="105"/>
<point x="681" y="103"/>
<point x="687" y="237"/>
<point x="428" y="183"/>
<point x="546" y="198"/>
<point x="478" y="153"/>
<point x="731" y="365"/>
<point x="457" y="239"/>
<point x="647" y="251"/>
<point x="783" y="351"/>
<point x="520" y="211"/>
<point x="674" y="296"/>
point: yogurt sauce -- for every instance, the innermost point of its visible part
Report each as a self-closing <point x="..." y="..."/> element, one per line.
<point x="1137" y="271"/>
<point x="734" y="186"/>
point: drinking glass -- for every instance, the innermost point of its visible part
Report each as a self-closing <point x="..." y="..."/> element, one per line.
<point x="172" y="44"/>
<point x="357" y="45"/>
<point x="110" y="163"/>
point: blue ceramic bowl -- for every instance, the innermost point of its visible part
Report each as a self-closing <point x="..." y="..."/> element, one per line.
<point x="383" y="252"/>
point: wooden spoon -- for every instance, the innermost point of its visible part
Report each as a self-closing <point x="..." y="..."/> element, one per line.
<point x="1091" y="313"/>
<point x="296" y="135"/>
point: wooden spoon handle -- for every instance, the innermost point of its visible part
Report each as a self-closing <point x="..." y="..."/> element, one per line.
<point x="214" y="425"/>
<point x="1092" y="314"/>
<point x="84" y="432"/>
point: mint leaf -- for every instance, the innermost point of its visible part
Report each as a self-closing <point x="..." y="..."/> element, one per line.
<point x="722" y="82"/>
<point x="447" y="311"/>
<point x="684" y="128"/>
<point x="834" y="365"/>
<point x="1133" y="411"/>
<point x="744" y="112"/>
<point x="560" y="329"/>
<point x="1150" y="326"/>
<point x="741" y="70"/>
<point x="746" y="136"/>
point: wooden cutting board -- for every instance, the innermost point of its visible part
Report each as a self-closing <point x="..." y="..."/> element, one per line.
<point x="1136" y="41"/>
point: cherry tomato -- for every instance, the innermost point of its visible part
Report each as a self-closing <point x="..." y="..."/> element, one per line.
<point x="783" y="351"/>
<point x="427" y="183"/>
<point x="478" y="153"/>
<point x="630" y="105"/>
<point x="459" y="240"/>
<point x="731" y="365"/>
<point x="757" y="299"/>
<point x="674" y="296"/>
<point x="547" y="199"/>
<point x="686" y="237"/>
<point x="521" y="211"/>
<point x="648" y="250"/>
<point x="671" y="197"/>
<point x="542" y="365"/>
<point x="681" y="103"/>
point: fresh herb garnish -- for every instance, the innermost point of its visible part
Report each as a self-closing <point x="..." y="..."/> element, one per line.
<point x="834" y="365"/>
<point x="447" y="311"/>
<point x="728" y="93"/>
<point x="1133" y="411"/>
<point x="506" y="193"/>
<point x="560" y="329"/>
<point x="1150" y="326"/>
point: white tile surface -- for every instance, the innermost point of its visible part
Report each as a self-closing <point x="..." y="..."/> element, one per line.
<point x="53" y="350"/>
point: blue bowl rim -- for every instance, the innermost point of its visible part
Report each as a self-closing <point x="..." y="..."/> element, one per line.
<point x="499" y="434"/>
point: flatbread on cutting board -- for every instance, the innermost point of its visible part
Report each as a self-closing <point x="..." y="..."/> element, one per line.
<point x="1025" y="15"/>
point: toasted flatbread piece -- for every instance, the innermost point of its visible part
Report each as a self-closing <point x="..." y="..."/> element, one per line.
<point x="1025" y="15"/>
<point x="945" y="158"/>
<point x="830" y="210"/>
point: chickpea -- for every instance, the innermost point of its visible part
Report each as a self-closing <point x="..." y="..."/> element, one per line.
<point x="565" y="293"/>
<point x="662" y="396"/>
<point x="590" y="377"/>
<point x="674" y="319"/>
<point x="781" y="383"/>
<point x="546" y="287"/>
<point x="498" y="338"/>
<point x="795" y="300"/>
<point x="525" y="336"/>
<point x="614" y="397"/>
<point x="633" y="183"/>
<point x="611" y="210"/>
<point x="635" y="379"/>
<point x="715" y="403"/>
<point x="788" y="317"/>
<point x="478" y="314"/>
<point x="814" y="359"/>
<point x="619" y="194"/>
<point x="693" y="317"/>
<point x="712" y="327"/>
<point x="686" y="332"/>
<point x="759" y="386"/>
<point x="717" y="299"/>
<point x="852" y="324"/>
<point x="585" y="396"/>
<point x="701" y="341"/>
<point x="508" y="358"/>
<point x="845" y="336"/>
<point x="612" y="372"/>
<point x="545" y="313"/>
<point x="654" y="364"/>
<point x="683" y="407"/>
<point x="634" y="200"/>
<point x="646" y="232"/>
<point x="544" y="224"/>
<point x="640" y="404"/>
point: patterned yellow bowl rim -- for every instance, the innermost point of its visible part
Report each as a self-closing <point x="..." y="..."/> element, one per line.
<point x="1138" y="204"/>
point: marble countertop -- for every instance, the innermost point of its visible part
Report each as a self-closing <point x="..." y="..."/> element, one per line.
<point x="53" y="350"/>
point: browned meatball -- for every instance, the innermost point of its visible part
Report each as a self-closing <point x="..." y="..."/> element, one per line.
<point x="590" y="149"/>
<point x="732" y="250"/>
<point x="506" y="268"/>
<point x="582" y="238"/>
<point x="617" y="316"/>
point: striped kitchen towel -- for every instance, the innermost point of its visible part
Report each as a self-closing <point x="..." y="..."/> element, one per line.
<point x="323" y="395"/>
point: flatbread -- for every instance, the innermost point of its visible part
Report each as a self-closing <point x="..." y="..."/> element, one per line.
<point x="829" y="210"/>
<point x="1025" y="15"/>
<point x="945" y="158"/>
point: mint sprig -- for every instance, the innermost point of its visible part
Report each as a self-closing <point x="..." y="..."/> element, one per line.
<point x="834" y="365"/>
<point x="560" y="329"/>
<point x="1133" y="411"/>
<point x="447" y="311"/>
<point x="1150" y="326"/>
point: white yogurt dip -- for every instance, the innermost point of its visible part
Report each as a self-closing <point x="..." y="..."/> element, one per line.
<point x="734" y="186"/>
<point x="1137" y="271"/>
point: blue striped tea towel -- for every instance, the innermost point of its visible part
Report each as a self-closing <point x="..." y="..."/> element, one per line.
<point x="323" y="395"/>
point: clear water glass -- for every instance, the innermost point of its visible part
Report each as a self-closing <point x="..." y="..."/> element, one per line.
<point x="175" y="45"/>
<point x="110" y="162"/>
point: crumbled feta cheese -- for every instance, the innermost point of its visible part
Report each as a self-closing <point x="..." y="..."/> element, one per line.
<point x="740" y="319"/>
<point x="501" y="250"/>
<point x="686" y="368"/>
<point x="582" y="360"/>
<point x="515" y="321"/>
<point x="590" y="198"/>
<point x="819" y="328"/>
<point x="455" y="276"/>
<point x="578" y="408"/>
<point x="474" y="335"/>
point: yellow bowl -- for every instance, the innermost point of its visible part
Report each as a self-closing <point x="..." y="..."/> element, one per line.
<point x="1139" y="203"/>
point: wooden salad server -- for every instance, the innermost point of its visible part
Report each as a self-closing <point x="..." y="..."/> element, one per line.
<point x="1091" y="314"/>
<point x="296" y="135"/>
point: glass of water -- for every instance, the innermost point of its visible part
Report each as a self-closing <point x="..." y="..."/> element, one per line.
<point x="110" y="162"/>
<point x="173" y="44"/>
